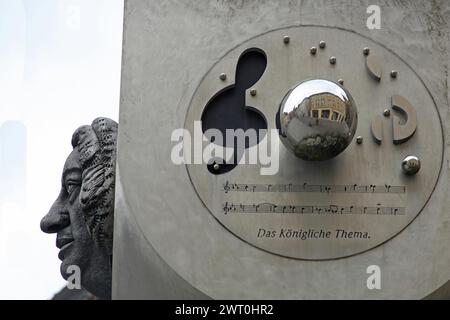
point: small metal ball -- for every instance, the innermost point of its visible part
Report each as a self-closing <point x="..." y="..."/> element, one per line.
<point x="394" y="74"/>
<point x="387" y="112"/>
<point x="253" y="92"/>
<point x="286" y="39"/>
<point x="318" y="120"/>
<point x="411" y="165"/>
<point x="322" y="44"/>
<point x="359" y="140"/>
<point x="313" y="50"/>
<point x="333" y="60"/>
<point x="366" y="51"/>
<point x="223" y="76"/>
<point x="216" y="167"/>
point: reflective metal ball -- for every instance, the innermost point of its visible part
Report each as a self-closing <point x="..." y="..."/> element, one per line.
<point x="318" y="119"/>
<point x="411" y="165"/>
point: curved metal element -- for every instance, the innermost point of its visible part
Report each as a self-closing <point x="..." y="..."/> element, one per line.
<point x="374" y="67"/>
<point x="403" y="132"/>
<point x="377" y="129"/>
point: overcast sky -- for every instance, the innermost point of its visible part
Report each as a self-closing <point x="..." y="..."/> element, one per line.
<point x="59" y="69"/>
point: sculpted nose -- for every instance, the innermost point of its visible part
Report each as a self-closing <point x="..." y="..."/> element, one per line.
<point x="55" y="220"/>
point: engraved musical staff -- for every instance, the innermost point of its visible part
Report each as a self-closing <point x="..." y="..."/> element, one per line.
<point x="305" y="187"/>
<point x="312" y="209"/>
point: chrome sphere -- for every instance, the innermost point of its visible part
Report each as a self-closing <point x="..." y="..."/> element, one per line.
<point x="411" y="165"/>
<point x="318" y="119"/>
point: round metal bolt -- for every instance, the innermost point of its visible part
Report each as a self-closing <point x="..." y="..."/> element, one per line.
<point x="387" y="112"/>
<point x="359" y="140"/>
<point x="322" y="44"/>
<point x="333" y="60"/>
<point x="313" y="50"/>
<point x="216" y="167"/>
<point x="394" y="74"/>
<point x="411" y="165"/>
<point x="223" y="76"/>
<point x="286" y="39"/>
<point x="253" y="92"/>
<point x="341" y="82"/>
<point x="366" y="51"/>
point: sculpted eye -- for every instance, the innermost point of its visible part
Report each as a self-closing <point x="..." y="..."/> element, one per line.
<point x="72" y="185"/>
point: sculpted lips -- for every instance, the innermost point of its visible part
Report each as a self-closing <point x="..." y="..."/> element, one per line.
<point x="63" y="243"/>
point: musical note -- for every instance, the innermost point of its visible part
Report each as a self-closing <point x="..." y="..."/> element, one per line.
<point x="302" y="209"/>
<point x="305" y="187"/>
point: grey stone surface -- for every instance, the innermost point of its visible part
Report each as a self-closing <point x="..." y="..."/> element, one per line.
<point x="167" y="244"/>
<point x="78" y="294"/>
<point x="83" y="214"/>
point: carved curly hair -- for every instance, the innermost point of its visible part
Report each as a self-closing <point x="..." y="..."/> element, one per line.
<point x="97" y="148"/>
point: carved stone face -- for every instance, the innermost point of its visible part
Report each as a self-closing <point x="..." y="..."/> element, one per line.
<point x="82" y="215"/>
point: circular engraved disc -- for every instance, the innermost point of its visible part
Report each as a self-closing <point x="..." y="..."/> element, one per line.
<point x="322" y="209"/>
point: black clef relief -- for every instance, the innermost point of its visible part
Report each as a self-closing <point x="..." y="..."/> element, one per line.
<point x="228" y="110"/>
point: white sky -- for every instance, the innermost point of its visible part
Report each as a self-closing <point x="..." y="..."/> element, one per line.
<point x="59" y="69"/>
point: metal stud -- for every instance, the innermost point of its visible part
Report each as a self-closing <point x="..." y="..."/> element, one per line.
<point x="223" y="76"/>
<point x="394" y="74"/>
<point x="286" y="39"/>
<point x="313" y="50"/>
<point x="322" y="44"/>
<point x="341" y="82"/>
<point x="359" y="140"/>
<point x="366" y="51"/>
<point x="333" y="60"/>
<point x="253" y="92"/>
<point x="387" y="112"/>
<point x="411" y="165"/>
<point x="216" y="167"/>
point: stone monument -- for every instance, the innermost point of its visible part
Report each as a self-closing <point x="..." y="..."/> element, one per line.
<point x="83" y="214"/>
<point x="341" y="169"/>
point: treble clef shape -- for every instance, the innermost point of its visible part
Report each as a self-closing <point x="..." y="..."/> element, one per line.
<point x="227" y="109"/>
<point x="226" y="208"/>
<point x="226" y="187"/>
